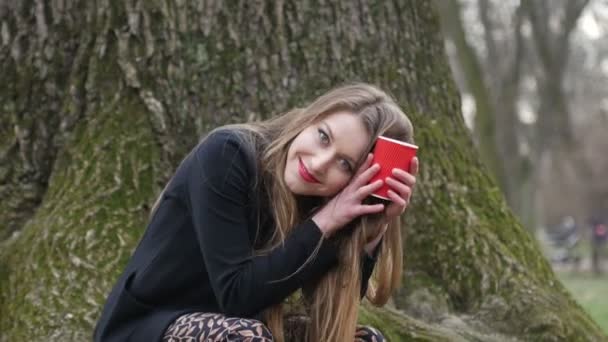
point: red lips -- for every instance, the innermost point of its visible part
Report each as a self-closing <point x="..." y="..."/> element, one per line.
<point x="305" y="174"/>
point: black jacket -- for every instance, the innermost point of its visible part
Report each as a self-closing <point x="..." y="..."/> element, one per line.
<point x="197" y="252"/>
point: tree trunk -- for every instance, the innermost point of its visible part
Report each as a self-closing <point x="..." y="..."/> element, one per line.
<point x="102" y="100"/>
<point x="554" y="130"/>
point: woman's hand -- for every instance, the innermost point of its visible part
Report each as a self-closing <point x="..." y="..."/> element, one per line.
<point x="347" y="204"/>
<point x="402" y="186"/>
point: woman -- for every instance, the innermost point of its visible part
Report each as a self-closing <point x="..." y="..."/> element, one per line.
<point x="258" y="211"/>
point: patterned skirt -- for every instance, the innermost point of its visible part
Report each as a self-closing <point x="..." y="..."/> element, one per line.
<point x="208" y="327"/>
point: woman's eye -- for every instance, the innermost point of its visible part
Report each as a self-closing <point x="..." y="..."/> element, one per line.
<point x="345" y="165"/>
<point x="323" y="136"/>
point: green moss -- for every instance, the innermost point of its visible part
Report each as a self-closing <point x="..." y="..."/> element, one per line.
<point x="421" y="297"/>
<point x="398" y="327"/>
<point x="93" y="213"/>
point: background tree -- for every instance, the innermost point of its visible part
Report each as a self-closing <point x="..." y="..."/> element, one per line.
<point x="554" y="138"/>
<point x="586" y="84"/>
<point x="101" y="100"/>
<point x="513" y="58"/>
<point x="491" y="70"/>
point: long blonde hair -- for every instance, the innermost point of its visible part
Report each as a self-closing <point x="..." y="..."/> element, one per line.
<point x="334" y="300"/>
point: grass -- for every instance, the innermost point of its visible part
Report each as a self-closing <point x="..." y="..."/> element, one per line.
<point x="591" y="292"/>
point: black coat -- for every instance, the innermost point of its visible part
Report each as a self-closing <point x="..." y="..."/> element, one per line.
<point x="197" y="252"/>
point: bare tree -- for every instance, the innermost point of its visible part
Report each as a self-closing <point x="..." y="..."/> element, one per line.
<point x="554" y="145"/>
<point x="552" y="46"/>
<point x="527" y="153"/>
<point x="493" y="72"/>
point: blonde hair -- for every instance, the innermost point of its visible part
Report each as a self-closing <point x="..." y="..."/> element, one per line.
<point x="335" y="299"/>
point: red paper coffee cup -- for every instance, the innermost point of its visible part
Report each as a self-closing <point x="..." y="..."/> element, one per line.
<point x="391" y="154"/>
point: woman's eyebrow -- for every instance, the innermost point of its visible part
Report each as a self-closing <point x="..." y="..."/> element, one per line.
<point x="331" y="137"/>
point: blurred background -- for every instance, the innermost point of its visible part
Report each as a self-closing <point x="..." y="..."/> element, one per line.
<point x="533" y="78"/>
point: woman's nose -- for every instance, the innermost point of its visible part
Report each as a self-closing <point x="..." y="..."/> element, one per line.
<point x="320" y="163"/>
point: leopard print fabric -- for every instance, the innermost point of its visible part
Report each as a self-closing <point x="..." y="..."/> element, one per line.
<point x="213" y="327"/>
<point x="216" y="327"/>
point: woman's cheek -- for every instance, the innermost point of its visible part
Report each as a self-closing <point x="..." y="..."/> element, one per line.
<point x="343" y="183"/>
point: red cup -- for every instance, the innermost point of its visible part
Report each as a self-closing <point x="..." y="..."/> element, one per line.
<point x="391" y="154"/>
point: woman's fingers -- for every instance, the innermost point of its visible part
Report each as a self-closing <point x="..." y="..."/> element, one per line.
<point x="404" y="177"/>
<point x="400" y="188"/>
<point x="368" y="189"/>
<point x="396" y="198"/>
<point x="366" y="175"/>
<point x="414" y="166"/>
<point x="366" y="209"/>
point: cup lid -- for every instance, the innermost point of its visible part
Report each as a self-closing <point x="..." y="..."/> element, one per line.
<point x="398" y="142"/>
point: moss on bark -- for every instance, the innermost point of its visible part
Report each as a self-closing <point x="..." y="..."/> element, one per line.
<point x="57" y="271"/>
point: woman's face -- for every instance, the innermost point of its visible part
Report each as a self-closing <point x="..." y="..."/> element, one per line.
<point x="322" y="159"/>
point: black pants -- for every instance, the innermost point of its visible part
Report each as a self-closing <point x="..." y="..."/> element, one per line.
<point x="201" y="327"/>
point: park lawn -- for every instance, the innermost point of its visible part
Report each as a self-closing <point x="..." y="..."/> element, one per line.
<point x="591" y="292"/>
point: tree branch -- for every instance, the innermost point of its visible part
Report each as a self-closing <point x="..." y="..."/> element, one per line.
<point x="573" y="11"/>
<point x="540" y="30"/>
<point x="488" y="30"/>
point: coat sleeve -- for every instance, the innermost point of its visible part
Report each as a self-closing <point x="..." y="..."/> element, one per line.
<point x="244" y="283"/>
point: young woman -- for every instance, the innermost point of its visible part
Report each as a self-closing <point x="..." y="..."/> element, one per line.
<point x="258" y="211"/>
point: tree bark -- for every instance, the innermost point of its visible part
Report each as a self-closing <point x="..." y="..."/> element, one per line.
<point x="102" y="99"/>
